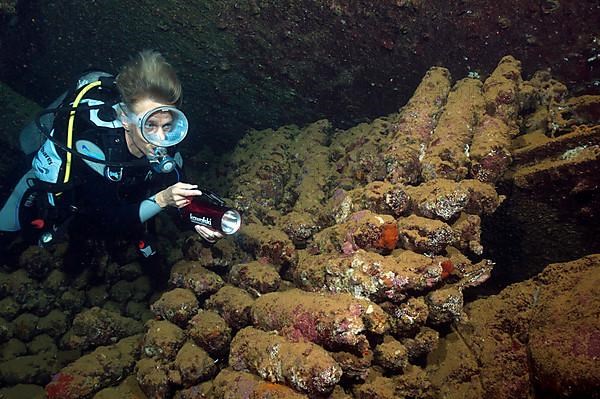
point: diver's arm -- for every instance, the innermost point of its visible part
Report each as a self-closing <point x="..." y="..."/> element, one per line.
<point x="148" y="209"/>
<point x="176" y="196"/>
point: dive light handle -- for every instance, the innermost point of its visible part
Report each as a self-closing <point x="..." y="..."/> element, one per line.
<point x="209" y="210"/>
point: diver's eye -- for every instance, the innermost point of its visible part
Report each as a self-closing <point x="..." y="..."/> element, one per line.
<point x="167" y="127"/>
<point x="149" y="126"/>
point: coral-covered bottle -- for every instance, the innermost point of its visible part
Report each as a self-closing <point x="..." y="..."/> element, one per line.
<point x="210" y="210"/>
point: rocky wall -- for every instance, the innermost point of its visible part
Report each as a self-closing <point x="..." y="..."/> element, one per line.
<point x="260" y="64"/>
<point x="537" y="338"/>
<point x="50" y="317"/>
<point x="552" y="185"/>
<point x="17" y="111"/>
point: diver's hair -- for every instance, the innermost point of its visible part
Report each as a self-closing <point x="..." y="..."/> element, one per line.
<point x="148" y="74"/>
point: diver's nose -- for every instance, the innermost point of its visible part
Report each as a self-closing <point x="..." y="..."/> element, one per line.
<point x="161" y="134"/>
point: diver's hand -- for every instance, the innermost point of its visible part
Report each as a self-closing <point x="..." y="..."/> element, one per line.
<point x="210" y="235"/>
<point x="177" y="195"/>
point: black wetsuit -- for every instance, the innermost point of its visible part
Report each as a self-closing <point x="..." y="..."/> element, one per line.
<point x="108" y="206"/>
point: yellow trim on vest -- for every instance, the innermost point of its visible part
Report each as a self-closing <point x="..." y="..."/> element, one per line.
<point x="70" y="127"/>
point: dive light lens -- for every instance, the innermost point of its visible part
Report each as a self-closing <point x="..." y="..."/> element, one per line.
<point x="231" y="221"/>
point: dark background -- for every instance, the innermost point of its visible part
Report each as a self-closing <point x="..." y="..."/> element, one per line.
<point x="258" y="64"/>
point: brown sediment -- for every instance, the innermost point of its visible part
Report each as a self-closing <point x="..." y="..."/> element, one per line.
<point x="202" y="390"/>
<point x="128" y="388"/>
<point x="412" y="383"/>
<point x="233" y="305"/>
<point x="231" y="384"/>
<point x="369" y="275"/>
<point x="336" y="321"/>
<point x="255" y="277"/>
<point x="191" y="275"/>
<point x="564" y="334"/>
<point x="364" y="229"/>
<point x="447" y="155"/>
<point x="412" y="133"/>
<point x="498" y="123"/>
<point x="540" y="332"/>
<point x="302" y="365"/>
<point x="210" y="331"/>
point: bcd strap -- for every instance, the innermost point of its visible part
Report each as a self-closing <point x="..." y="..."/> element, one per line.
<point x="54" y="188"/>
<point x="113" y="144"/>
<point x="108" y="82"/>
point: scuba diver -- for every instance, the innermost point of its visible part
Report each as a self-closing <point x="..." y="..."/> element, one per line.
<point x="108" y="161"/>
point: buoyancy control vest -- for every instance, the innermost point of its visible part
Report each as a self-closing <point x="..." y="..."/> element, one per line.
<point x="80" y="123"/>
<point x="85" y="126"/>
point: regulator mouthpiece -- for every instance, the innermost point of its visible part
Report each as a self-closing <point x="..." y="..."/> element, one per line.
<point x="161" y="161"/>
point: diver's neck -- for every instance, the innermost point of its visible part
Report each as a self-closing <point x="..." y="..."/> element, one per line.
<point x="132" y="146"/>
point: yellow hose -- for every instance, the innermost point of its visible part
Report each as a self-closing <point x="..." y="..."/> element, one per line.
<point x="70" y="127"/>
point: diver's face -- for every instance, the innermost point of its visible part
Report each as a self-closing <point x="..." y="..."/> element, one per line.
<point x="157" y="125"/>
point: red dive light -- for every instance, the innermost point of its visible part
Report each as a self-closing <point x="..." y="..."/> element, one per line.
<point x="209" y="210"/>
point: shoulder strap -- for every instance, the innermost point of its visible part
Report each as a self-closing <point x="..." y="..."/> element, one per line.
<point x="80" y="111"/>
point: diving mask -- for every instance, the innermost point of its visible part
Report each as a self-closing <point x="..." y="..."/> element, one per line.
<point x="163" y="126"/>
